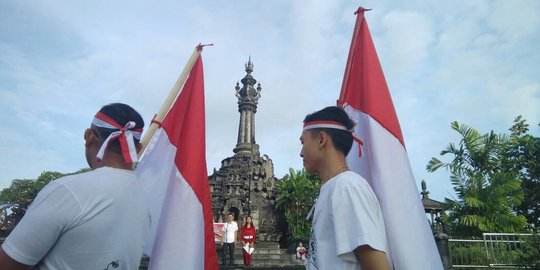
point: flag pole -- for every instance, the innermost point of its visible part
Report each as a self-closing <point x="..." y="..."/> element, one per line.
<point x="360" y="18"/>
<point x="175" y="91"/>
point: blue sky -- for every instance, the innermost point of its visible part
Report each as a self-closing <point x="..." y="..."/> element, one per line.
<point x="477" y="62"/>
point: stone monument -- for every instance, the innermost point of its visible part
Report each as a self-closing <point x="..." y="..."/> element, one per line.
<point x="244" y="185"/>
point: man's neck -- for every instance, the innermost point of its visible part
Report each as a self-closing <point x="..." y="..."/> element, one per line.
<point x="334" y="165"/>
<point x="113" y="160"/>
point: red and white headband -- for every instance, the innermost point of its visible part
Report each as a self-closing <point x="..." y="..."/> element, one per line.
<point x="325" y="124"/>
<point x="125" y="135"/>
<point x="335" y="125"/>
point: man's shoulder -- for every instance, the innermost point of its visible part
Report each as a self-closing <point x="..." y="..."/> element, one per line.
<point x="350" y="178"/>
<point x="72" y="185"/>
<point x="100" y="177"/>
<point x="351" y="181"/>
<point x="68" y="179"/>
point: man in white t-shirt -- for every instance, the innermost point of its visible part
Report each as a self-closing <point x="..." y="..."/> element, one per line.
<point x="230" y="233"/>
<point x="93" y="220"/>
<point x="348" y="230"/>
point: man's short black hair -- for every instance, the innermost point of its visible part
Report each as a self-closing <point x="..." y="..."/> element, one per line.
<point x="341" y="139"/>
<point x="122" y="114"/>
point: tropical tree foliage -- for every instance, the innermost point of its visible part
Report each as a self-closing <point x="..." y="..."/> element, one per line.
<point x="523" y="157"/>
<point x="487" y="192"/>
<point x="296" y="193"/>
<point x="530" y="252"/>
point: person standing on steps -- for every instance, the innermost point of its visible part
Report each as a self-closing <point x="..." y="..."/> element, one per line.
<point x="230" y="234"/>
<point x="248" y="236"/>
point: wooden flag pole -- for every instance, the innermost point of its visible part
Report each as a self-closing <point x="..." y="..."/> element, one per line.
<point x="175" y="91"/>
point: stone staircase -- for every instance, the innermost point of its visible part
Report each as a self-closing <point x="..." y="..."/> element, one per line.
<point x="267" y="255"/>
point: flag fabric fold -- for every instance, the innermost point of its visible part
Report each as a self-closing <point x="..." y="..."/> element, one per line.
<point x="174" y="176"/>
<point x="384" y="162"/>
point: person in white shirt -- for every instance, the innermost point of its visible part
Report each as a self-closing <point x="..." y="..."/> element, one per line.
<point x="93" y="220"/>
<point x="348" y="230"/>
<point x="230" y="233"/>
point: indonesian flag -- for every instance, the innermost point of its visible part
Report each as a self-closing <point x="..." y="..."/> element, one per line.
<point x="174" y="177"/>
<point x="380" y="155"/>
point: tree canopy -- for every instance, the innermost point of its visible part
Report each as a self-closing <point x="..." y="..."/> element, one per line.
<point x="495" y="177"/>
<point x="523" y="157"/>
<point x="296" y="194"/>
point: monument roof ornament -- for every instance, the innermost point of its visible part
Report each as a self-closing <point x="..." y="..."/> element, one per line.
<point x="248" y="95"/>
<point x="249" y="66"/>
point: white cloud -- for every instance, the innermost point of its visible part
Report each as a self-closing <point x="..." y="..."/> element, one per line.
<point x="407" y="40"/>
<point x="510" y="101"/>
<point x="515" y="20"/>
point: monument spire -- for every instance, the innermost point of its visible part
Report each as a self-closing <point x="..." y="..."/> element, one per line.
<point x="248" y="97"/>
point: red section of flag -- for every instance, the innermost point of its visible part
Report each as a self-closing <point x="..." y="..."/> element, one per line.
<point x="185" y="125"/>
<point x="364" y="86"/>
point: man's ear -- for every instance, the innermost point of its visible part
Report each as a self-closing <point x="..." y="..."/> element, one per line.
<point x="89" y="137"/>
<point x="322" y="138"/>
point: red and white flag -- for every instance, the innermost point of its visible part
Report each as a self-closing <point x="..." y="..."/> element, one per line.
<point x="174" y="176"/>
<point x="381" y="157"/>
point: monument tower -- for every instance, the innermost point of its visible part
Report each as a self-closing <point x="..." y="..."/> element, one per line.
<point x="244" y="185"/>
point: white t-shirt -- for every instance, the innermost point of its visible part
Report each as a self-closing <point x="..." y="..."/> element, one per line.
<point x="229" y="230"/>
<point x="346" y="215"/>
<point x="93" y="220"/>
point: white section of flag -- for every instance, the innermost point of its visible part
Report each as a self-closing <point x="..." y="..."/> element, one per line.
<point x="385" y="165"/>
<point x="176" y="238"/>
